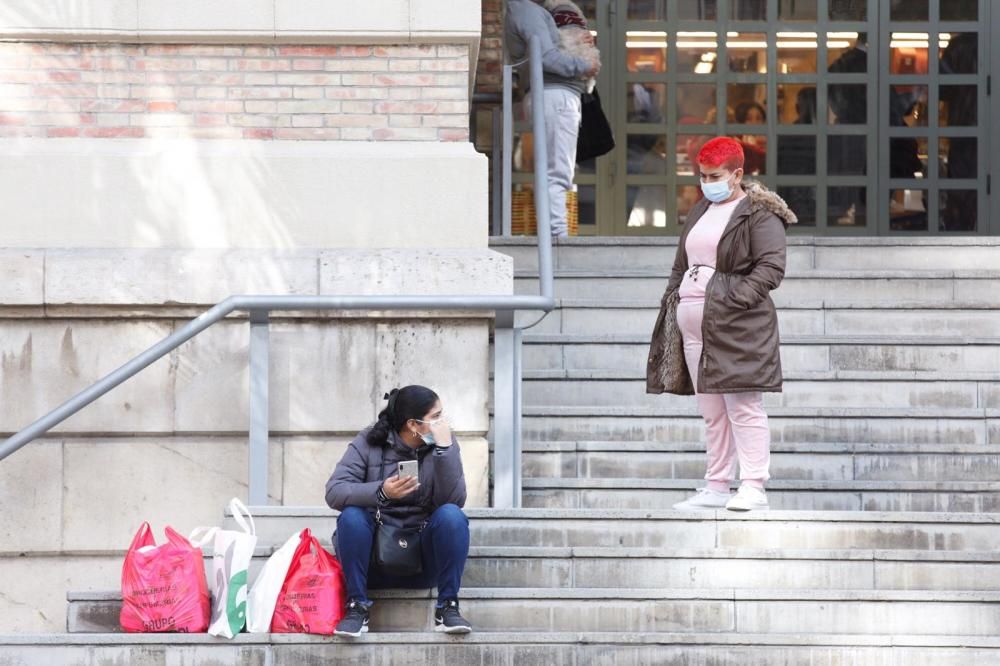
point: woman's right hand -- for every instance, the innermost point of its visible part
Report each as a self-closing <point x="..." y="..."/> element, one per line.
<point x="395" y="487"/>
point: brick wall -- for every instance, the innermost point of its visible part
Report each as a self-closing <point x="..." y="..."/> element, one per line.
<point x="364" y="93"/>
<point x="489" y="78"/>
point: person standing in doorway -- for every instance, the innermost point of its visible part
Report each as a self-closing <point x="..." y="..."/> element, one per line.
<point x="730" y="256"/>
<point x="565" y="79"/>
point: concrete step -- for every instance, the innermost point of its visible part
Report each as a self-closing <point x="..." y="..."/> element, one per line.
<point x="861" y="286"/>
<point x="869" y="254"/>
<point x="842" y="318"/>
<point x="954" y="613"/>
<point x="799" y="354"/>
<point x="800" y="425"/>
<point x="789" y="460"/>
<point x="600" y="389"/>
<point x="783" y="494"/>
<point x="655" y="528"/>
<point x="502" y="648"/>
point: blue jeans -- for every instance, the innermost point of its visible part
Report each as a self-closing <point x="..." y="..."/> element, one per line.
<point x="444" y="542"/>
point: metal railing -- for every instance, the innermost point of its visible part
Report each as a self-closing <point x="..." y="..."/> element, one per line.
<point x="507" y="348"/>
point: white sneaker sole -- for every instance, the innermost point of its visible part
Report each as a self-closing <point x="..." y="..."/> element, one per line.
<point x="364" y="630"/>
<point x="452" y="630"/>
<point x="697" y="507"/>
<point x="742" y="509"/>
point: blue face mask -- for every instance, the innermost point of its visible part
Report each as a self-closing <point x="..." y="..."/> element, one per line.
<point x="428" y="438"/>
<point x="718" y="191"/>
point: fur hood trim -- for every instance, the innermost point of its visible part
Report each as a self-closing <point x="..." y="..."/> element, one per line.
<point x="565" y="5"/>
<point x="763" y="198"/>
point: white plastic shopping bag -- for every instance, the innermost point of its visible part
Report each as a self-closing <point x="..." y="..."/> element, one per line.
<point x="265" y="590"/>
<point x="228" y="580"/>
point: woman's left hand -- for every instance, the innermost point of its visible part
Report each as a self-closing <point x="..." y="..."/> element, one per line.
<point x="442" y="434"/>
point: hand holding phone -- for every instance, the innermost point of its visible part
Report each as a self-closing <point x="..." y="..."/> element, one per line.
<point x="407" y="468"/>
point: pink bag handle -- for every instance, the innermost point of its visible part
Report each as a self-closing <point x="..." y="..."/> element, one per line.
<point x="176" y="539"/>
<point x="143" y="537"/>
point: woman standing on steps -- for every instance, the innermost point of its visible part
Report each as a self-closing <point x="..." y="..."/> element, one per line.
<point x="717" y="333"/>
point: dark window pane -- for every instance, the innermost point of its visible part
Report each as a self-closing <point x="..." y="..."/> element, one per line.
<point x="697" y="10"/>
<point x="847" y="155"/>
<point x="905" y="159"/>
<point x="959" y="53"/>
<point x="796" y="155"/>
<point x="747" y="101"/>
<point x="749" y="10"/>
<point x="959" y="157"/>
<point x="647" y="102"/>
<point x="646" y="51"/>
<point x="797" y="10"/>
<point x="908" y="106"/>
<point x="908" y="55"/>
<point x="846" y="207"/>
<point x="646" y="10"/>
<point x="754" y="153"/>
<point x="848" y="103"/>
<point x="802" y="201"/>
<point x="647" y="154"/>
<point x="796" y="104"/>
<point x="797" y="52"/>
<point x="587" y="204"/>
<point x="908" y="210"/>
<point x="589" y="8"/>
<point x="646" y="206"/>
<point x="695" y="103"/>
<point x="697" y="54"/>
<point x="848" y="10"/>
<point x="847" y="52"/>
<point x="748" y="53"/>
<point x="959" y="10"/>
<point x="909" y="10"/>
<point x="958" y="210"/>
<point x="959" y="106"/>
<point x="687" y="196"/>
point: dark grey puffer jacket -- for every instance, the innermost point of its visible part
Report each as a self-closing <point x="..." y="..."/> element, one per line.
<point x="359" y="474"/>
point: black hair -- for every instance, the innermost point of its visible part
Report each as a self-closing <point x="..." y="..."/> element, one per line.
<point x="743" y="110"/>
<point x="409" y="402"/>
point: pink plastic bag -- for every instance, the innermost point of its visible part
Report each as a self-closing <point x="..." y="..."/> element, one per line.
<point x="313" y="596"/>
<point x="163" y="587"/>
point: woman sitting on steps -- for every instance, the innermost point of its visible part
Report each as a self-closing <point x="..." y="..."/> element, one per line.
<point x="367" y="489"/>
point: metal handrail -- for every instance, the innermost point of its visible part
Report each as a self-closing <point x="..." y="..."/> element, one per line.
<point x="507" y="356"/>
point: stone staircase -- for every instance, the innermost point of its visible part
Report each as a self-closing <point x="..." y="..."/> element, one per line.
<point x="882" y="546"/>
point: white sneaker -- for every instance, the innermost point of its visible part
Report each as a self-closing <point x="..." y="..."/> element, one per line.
<point x="705" y="498"/>
<point x="748" y="498"/>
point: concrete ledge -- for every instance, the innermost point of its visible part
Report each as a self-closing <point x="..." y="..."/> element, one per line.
<point x="239" y="194"/>
<point x="244" y="21"/>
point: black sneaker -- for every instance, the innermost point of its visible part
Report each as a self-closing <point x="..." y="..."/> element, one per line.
<point x="449" y="620"/>
<point x="355" y="621"/>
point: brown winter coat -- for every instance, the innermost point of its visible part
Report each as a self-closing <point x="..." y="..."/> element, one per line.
<point x="740" y="328"/>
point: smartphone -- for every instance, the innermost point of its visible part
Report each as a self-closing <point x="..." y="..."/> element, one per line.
<point x="407" y="468"/>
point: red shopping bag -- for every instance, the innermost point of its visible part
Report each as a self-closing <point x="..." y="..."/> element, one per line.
<point x="312" y="598"/>
<point x="163" y="587"/>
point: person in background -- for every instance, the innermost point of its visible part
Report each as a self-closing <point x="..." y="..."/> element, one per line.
<point x="565" y="78"/>
<point x="411" y="427"/>
<point x="730" y="256"/>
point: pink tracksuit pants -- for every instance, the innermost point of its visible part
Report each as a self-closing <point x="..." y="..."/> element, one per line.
<point x="735" y="423"/>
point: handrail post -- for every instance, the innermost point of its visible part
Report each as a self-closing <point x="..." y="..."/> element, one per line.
<point x="508" y="147"/>
<point x="541" y="193"/>
<point x="505" y="393"/>
<point x="258" y="447"/>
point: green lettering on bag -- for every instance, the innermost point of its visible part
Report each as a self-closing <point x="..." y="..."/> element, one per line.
<point x="236" y="614"/>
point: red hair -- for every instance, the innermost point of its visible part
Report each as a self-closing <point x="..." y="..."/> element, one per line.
<point x="721" y="152"/>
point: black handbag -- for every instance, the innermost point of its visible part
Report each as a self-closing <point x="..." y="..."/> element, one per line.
<point x="396" y="550"/>
<point x="595" y="137"/>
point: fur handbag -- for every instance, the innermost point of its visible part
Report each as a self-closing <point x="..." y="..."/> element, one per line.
<point x="667" y="371"/>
